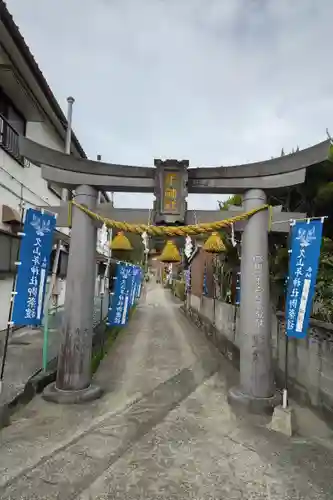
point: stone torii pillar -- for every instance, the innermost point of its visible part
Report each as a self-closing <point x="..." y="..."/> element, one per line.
<point x="73" y="383"/>
<point x="256" y="390"/>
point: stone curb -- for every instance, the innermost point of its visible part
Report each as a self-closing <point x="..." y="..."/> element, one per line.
<point x="35" y="385"/>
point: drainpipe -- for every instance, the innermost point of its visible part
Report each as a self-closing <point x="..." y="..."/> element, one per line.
<point x="99" y="194"/>
<point x="68" y="140"/>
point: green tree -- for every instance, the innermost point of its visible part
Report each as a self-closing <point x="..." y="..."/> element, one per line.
<point x="235" y="199"/>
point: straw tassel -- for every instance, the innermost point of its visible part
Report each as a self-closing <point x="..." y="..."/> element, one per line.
<point x="214" y="244"/>
<point x="170" y="253"/>
<point x="121" y="242"/>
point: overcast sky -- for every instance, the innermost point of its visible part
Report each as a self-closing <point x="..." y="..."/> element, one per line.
<point x="218" y="82"/>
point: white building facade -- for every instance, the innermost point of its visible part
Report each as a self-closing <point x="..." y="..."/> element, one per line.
<point x="27" y="107"/>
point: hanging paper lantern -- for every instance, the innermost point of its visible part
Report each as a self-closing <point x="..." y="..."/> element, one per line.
<point x="214" y="244"/>
<point x="170" y="253"/>
<point x="121" y="242"/>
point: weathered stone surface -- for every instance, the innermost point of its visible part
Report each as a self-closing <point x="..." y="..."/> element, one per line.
<point x="283" y="420"/>
<point x="310" y="360"/>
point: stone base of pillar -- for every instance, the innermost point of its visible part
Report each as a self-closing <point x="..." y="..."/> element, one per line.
<point x="54" y="395"/>
<point x="252" y="404"/>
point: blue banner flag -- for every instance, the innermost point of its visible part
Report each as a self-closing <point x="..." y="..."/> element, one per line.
<point x="135" y="284"/>
<point x="303" y="267"/>
<point x="118" y="312"/>
<point x="35" y="251"/>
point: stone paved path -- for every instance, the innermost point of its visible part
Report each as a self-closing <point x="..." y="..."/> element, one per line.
<point x="163" y="430"/>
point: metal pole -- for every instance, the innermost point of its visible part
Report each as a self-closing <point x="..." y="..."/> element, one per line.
<point x="99" y="196"/>
<point x="102" y="278"/>
<point x="47" y="307"/>
<point x="68" y="139"/>
<point x="64" y="197"/>
<point x="103" y="287"/>
<point x="285" y="388"/>
<point x="214" y="288"/>
<point x="147" y="250"/>
<point x="237" y="302"/>
<point x="203" y="286"/>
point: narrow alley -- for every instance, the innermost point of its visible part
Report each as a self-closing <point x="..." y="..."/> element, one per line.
<point x="162" y="430"/>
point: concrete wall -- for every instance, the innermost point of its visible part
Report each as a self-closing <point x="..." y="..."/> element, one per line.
<point x="6" y="283"/>
<point x="17" y="181"/>
<point x="310" y="360"/>
<point x="44" y="133"/>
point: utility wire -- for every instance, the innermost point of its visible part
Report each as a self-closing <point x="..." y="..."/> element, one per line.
<point x="22" y="185"/>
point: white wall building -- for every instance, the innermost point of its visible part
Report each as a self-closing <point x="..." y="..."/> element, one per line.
<point x="27" y="106"/>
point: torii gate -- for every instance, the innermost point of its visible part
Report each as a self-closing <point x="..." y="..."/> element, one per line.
<point x="256" y="390"/>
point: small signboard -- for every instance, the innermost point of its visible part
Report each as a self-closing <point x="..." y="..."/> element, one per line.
<point x="172" y="192"/>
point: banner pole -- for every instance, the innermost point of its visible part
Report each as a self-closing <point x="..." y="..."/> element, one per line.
<point x="47" y="306"/>
<point x="12" y="298"/>
<point x="186" y="296"/>
<point x="214" y="288"/>
<point x="237" y="302"/>
<point x="45" y="339"/>
<point x="285" y="388"/>
<point x="203" y="286"/>
<point x="189" y="287"/>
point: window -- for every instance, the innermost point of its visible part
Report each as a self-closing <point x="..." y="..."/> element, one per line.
<point x="62" y="264"/>
<point x="12" y="124"/>
<point x="15" y="120"/>
<point x="12" y="115"/>
<point x="8" y="252"/>
<point x="4" y="253"/>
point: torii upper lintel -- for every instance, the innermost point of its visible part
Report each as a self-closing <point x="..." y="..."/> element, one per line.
<point x="69" y="171"/>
